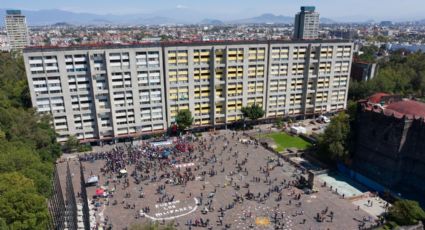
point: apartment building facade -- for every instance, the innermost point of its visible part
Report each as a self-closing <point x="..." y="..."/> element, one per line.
<point x="99" y="93"/>
<point x="215" y="81"/>
<point x="109" y="92"/>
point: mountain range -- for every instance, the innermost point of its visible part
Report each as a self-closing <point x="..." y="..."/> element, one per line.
<point x="166" y="17"/>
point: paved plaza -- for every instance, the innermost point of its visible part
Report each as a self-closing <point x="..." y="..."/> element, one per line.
<point x="342" y="185"/>
<point x="216" y="181"/>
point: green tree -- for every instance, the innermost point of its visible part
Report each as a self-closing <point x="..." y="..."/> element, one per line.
<point x="352" y="108"/>
<point x="418" y="83"/>
<point x="253" y="112"/>
<point x="184" y="119"/>
<point x="333" y="144"/>
<point x="402" y="74"/>
<point x="360" y="90"/>
<point x="19" y="157"/>
<point x="279" y="122"/>
<point x="369" y="53"/>
<point x="151" y="226"/>
<point x="28" y="149"/>
<point x="20" y="206"/>
<point x="165" y="37"/>
<point x="2" y="134"/>
<point x="406" y="212"/>
<point x="72" y="144"/>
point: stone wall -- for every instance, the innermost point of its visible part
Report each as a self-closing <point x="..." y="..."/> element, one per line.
<point x="391" y="151"/>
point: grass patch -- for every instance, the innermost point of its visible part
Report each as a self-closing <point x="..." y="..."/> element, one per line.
<point x="284" y="141"/>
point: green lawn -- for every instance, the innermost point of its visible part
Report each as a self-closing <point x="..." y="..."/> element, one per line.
<point x="284" y="141"/>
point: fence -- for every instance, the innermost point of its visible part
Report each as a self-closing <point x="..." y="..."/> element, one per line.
<point x="71" y="203"/>
<point x="86" y="213"/>
<point x="56" y="204"/>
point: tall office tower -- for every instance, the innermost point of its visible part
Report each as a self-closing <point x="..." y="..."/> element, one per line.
<point x="307" y="23"/>
<point x="16" y="28"/>
<point x="109" y="92"/>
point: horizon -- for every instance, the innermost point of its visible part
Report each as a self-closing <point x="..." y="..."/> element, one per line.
<point x="360" y="10"/>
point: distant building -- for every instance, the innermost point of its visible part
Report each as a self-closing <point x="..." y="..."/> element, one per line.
<point x="386" y="23"/>
<point x="17" y="31"/>
<point x="408" y="47"/>
<point x="4" y="46"/>
<point x="363" y="71"/>
<point x="307" y="23"/>
<point x="389" y="33"/>
<point x="390" y="147"/>
<point x="343" y="34"/>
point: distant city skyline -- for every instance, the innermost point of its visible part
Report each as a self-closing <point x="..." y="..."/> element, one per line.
<point x="347" y="10"/>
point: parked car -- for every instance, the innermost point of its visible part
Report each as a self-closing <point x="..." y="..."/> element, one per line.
<point x="322" y="119"/>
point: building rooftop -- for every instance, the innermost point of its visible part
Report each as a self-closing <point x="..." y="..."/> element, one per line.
<point x="13" y="12"/>
<point x="394" y="105"/>
<point x="408" y="108"/>
<point x="308" y="8"/>
<point x="171" y="44"/>
<point x="377" y="97"/>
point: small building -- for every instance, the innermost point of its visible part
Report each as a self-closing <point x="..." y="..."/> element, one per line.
<point x="363" y="71"/>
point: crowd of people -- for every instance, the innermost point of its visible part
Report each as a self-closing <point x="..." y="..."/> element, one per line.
<point x="135" y="167"/>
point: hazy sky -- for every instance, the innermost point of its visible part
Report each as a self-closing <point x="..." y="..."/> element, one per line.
<point x="232" y="9"/>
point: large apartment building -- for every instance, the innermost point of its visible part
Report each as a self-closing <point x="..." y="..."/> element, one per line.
<point x="108" y="92"/>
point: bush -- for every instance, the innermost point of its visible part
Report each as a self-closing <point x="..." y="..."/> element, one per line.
<point x="84" y="148"/>
<point x="279" y="123"/>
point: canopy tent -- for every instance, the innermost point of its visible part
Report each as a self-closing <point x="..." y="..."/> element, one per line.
<point x="99" y="192"/>
<point x="93" y="180"/>
<point x="298" y="130"/>
<point x="123" y="171"/>
<point x="166" y="153"/>
<point x="161" y="143"/>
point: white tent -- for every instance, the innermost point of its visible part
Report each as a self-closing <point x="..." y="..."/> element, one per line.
<point x="298" y="130"/>
<point x="93" y="180"/>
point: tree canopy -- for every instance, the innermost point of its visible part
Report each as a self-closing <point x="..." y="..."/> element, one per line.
<point x="253" y="112"/>
<point x="71" y="144"/>
<point x="151" y="226"/>
<point x="369" y="53"/>
<point x="184" y="119"/>
<point x="74" y="145"/>
<point x="333" y="143"/>
<point x="406" y="212"/>
<point x="20" y="205"/>
<point x="401" y="74"/>
<point x="28" y="149"/>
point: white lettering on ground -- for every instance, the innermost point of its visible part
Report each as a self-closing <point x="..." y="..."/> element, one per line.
<point x="184" y="165"/>
<point x="170" y="208"/>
